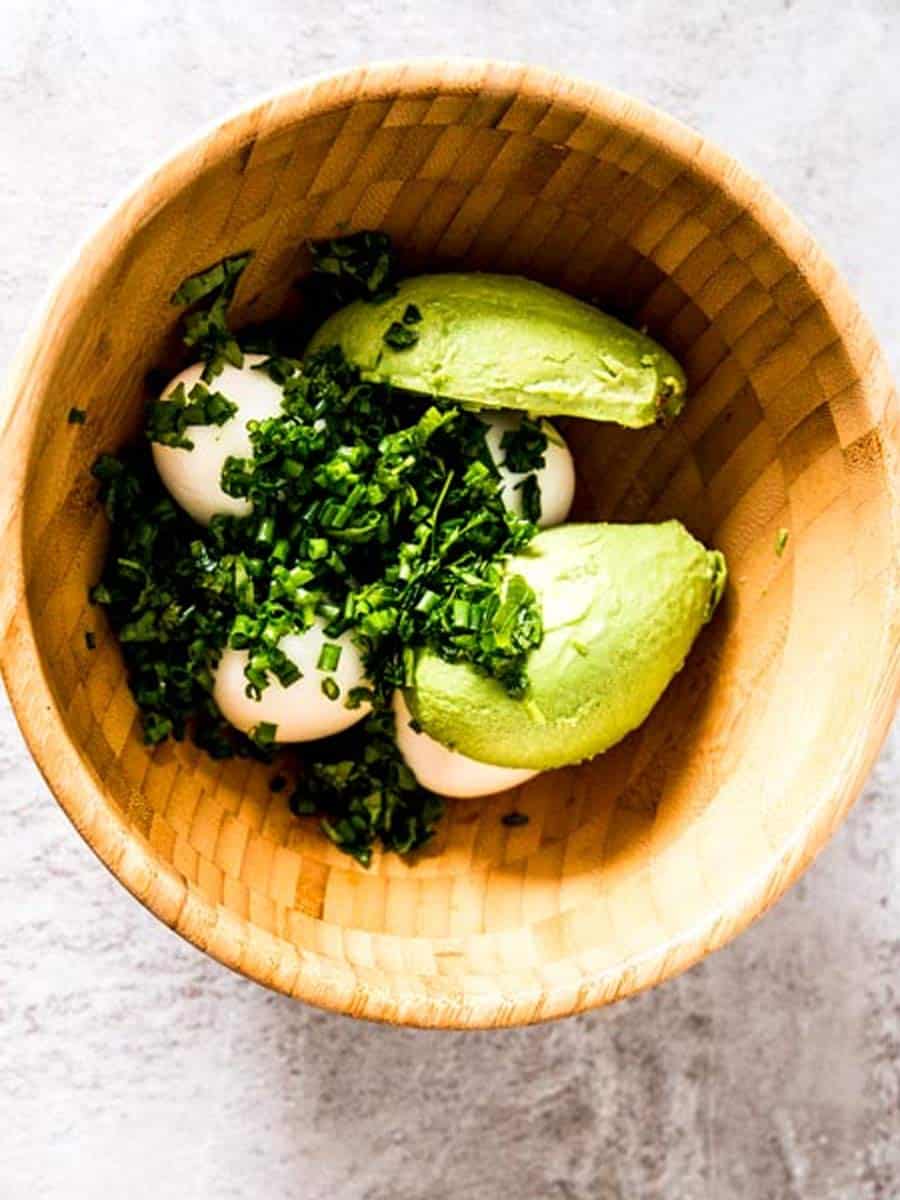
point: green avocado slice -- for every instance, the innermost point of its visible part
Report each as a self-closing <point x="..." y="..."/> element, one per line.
<point x="499" y="341"/>
<point x="622" y="605"/>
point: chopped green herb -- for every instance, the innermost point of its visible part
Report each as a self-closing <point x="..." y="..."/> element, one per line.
<point x="169" y="418"/>
<point x="359" y="266"/>
<point x="267" y="659"/>
<point x="514" y="819"/>
<point x="781" y="540"/>
<point x="263" y="735"/>
<point x="329" y="656"/>
<point x="278" y="367"/>
<point x="531" y="498"/>
<point x="525" y="446"/>
<point x="411" y="315"/>
<point x="265" y="532"/>
<point x="171" y="593"/>
<point x="384" y="539"/>
<point x="77" y="416"/>
<point x="366" y="793"/>
<point x="377" y="515"/>
<point x="206" y="329"/>
<point x="400" y="337"/>
<point x="580" y="648"/>
<point x="156" y="728"/>
<point x="219" y="280"/>
<point x="90" y="640"/>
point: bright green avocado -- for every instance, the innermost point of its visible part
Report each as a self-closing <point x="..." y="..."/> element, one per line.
<point x="499" y="341"/>
<point x="622" y="605"/>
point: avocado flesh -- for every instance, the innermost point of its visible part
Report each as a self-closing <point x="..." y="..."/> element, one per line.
<point x="622" y="606"/>
<point x="499" y="341"/>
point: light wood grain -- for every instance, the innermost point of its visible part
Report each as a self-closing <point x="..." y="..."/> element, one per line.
<point x="632" y="867"/>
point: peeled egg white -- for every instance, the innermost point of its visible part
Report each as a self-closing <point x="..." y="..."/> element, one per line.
<point x="300" y="712"/>
<point x="192" y="477"/>
<point x="442" y="770"/>
<point x="556" y="478"/>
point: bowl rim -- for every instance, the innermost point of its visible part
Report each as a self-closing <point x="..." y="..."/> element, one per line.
<point x="267" y="958"/>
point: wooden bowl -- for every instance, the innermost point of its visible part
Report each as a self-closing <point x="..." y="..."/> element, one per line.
<point x="631" y="867"/>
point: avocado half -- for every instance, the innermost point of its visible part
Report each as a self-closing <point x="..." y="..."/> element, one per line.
<point x="622" y="605"/>
<point x="499" y="341"/>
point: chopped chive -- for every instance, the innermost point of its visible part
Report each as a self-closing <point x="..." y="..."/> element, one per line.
<point x="263" y="735"/>
<point x="530" y="490"/>
<point x="329" y="656"/>
<point x="461" y="614"/>
<point x="427" y="601"/>
<point x="781" y="540"/>
<point x="374" y="513"/>
<point x="524" y="447"/>
<point x="77" y="416"/>
<point x="400" y="337"/>
<point x="169" y="418"/>
<point x="409" y="666"/>
<point x="302" y="806"/>
<point x="265" y="532"/>
<point x="243" y="632"/>
<point x="358" y="266"/>
<point x="220" y="277"/>
<point x="330" y="688"/>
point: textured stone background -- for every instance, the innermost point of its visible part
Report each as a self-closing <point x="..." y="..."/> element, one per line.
<point x="131" y="1065"/>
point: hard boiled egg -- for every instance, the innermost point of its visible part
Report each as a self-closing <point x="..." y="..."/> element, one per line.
<point x="556" y="478"/>
<point x="300" y="712"/>
<point x="442" y="770"/>
<point x="193" y="477"/>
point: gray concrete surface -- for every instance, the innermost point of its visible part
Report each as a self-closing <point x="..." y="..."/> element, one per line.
<point x="130" y="1065"/>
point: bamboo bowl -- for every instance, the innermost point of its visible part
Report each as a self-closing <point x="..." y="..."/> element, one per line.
<point x="631" y="867"/>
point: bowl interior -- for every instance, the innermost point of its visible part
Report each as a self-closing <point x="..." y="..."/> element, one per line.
<point x="630" y="866"/>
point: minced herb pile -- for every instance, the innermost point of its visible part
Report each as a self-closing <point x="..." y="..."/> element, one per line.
<point x="375" y="511"/>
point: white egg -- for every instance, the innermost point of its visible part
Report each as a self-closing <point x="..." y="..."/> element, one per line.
<point x="300" y="712"/>
<point x="556" y="478"/>
<point x="442" y="770"/>
<point x="192" y="477"/>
